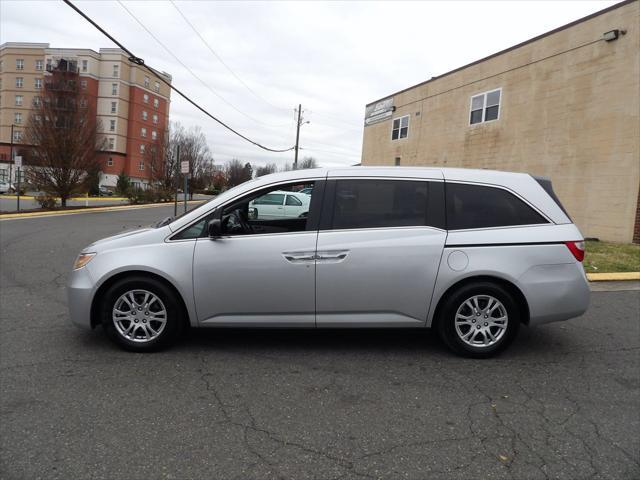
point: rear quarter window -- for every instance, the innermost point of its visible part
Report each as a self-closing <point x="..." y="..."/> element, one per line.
<point x="475" y="206"/>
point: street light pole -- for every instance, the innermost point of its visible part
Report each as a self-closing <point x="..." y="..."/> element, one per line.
<point x="11" y="156"/>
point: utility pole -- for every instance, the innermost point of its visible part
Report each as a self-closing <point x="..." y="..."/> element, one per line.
<point x="295" y="159"/>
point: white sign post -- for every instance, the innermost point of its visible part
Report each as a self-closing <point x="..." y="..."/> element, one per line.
<point x="184" y="168"/>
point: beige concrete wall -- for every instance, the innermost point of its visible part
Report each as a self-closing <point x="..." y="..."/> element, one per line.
<point x="570" y="110"/>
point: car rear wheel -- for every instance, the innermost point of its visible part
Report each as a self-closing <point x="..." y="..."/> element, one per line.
<point x="479" y="320"/>
<point x="141" y="314"/>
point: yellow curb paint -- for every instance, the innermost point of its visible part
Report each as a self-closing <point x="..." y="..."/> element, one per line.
<point x="91" y="199"/>
<point x="613" y="276"/>
<point x="59" y="213"/>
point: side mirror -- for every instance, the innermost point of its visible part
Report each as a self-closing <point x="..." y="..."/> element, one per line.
<point x="214" y="228"/>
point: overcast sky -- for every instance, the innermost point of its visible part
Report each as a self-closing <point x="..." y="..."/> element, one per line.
<point x="334" y="58"/>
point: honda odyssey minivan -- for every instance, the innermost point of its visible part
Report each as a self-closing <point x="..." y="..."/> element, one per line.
<point x="471" y="253"/>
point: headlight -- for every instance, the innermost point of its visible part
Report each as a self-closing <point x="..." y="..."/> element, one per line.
<point x="82" y="260"/>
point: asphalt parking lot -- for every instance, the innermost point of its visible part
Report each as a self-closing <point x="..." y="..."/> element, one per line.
<point x="562" y="402"/>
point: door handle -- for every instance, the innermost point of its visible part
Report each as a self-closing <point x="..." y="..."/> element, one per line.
<point x="332" y="256"/>
<point x="299" y="257"/>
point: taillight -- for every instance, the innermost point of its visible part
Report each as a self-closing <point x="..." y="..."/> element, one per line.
<point x="577" y="248"/>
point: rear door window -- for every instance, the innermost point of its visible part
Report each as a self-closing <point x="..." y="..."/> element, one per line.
<point x="379" y="203"/>
<point x="476" y="206"/>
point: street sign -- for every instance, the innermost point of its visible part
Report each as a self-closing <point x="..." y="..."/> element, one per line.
<point x="18" y="161"/>
<point x="184" y="166"/>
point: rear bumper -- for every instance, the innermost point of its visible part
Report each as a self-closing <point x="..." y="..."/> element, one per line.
<point x="79" y="296"/>
<point x="555" y="292"/>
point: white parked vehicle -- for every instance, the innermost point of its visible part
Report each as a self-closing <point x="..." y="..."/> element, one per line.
<point x="280" y="204"/>
<point x="6" y="187"/>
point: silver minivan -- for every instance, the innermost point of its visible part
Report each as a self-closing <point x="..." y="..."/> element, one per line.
<point x="471" y="253"/>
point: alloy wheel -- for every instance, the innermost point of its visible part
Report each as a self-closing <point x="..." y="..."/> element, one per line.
<point x="481" y="321"/>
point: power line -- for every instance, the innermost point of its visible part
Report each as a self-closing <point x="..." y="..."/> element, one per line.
<point x="177" y="59"/>
<point x="206" y="44"/>
<point x="139" y="61"/>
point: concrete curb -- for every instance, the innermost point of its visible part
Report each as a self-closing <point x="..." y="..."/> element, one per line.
<point x="613" y="276"/>
<point x="115" y="208"/>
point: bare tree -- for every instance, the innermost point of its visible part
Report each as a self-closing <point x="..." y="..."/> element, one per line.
<point x="237" y="173"/>
<point x="63" y="134"/>
<point x="308" y="162"/>
<point x="266" y="169"/>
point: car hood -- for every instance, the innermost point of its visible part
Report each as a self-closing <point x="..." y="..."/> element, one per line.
<point x="127" y="238"/>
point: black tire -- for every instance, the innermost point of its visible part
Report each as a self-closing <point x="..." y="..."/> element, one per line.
<point x="447" y="320"/>
<point x="174" y="313"/>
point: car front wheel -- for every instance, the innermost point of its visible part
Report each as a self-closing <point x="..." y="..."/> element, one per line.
<point x="479" y="320"/>
<point x="141" y="314"/>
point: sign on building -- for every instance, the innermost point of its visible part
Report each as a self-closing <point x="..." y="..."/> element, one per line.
<point x="379" y="112"/>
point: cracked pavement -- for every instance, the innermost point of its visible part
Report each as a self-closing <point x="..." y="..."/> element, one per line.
<point x="562" y="402"/>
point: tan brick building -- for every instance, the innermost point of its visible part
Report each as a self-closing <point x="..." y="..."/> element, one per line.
<point x="132" y="104"/>
<point x="565" y="105"/>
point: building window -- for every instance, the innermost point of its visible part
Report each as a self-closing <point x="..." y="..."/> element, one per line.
<point x="154" y="135"/>
<point x="144" y="115"/>
<point x="19" y="64"/>
<point x="114" y="89"/>
<point x="17" y="136"/>
<point x="83" y="84"/>
<point x="1" y="65"/>
<point x="397" y="161"/>
<point x="116" y="70"/>
<point x="110" y="162"/>
<point x="146" y="81"/>
<point x="112" y="125"/>
<point x="38" y="83"/>
<point x="156" y="86"/>
<point x="156" y="102"/>
<point x="114" y="107"/>
<point x="145" y="98"/>
<point x="18" y="100"/>
<point x="143" y="132"/>
<point x="85" y="65"/>
<point x="400" y="128"/>
<point x="17" y="118"/>
<point x="83" y="102"/>
<point x="36" y="101"/>
<point x="141" y="165"/>
<point x="155" y="118"/>
<point x="112" y="143"/>
<point x="485" y="107"/>
<point x="142" y="149"/>
<point x="4" y="174"/>
<point x="19" y="82"/>
<point x="39" y="65"/>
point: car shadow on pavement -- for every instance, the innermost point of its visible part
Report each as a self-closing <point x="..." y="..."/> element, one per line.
<point x="530" y="343"/>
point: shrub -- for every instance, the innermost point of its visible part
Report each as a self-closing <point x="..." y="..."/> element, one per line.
<point x="46" y="201"/>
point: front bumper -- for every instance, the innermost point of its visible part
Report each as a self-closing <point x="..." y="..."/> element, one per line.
<point x="555" y="292"/>
<point x="79" y="297"/>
